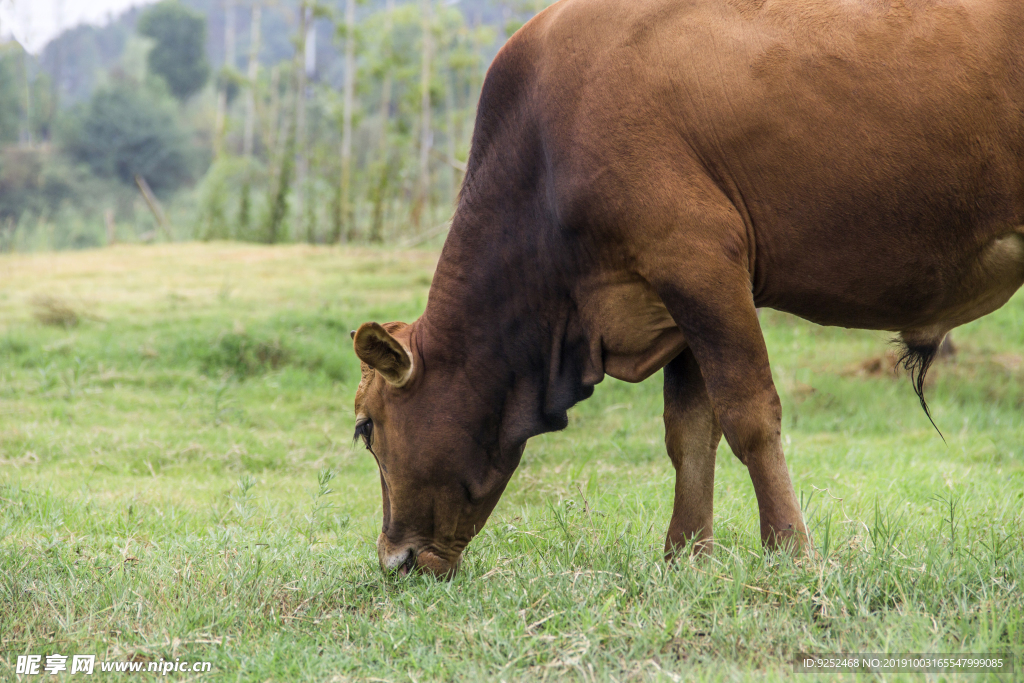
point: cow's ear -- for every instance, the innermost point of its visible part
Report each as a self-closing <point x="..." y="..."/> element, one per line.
<point x="382" y="352"/>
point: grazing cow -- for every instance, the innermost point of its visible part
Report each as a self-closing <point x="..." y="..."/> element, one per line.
<point x="643" y="175"/>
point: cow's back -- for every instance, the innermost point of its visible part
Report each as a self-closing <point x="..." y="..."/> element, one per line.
<point x="862" y="143"/>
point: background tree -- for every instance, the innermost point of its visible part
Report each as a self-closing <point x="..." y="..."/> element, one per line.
<point x="284" y="169"/>
<point x="126" y="130"/>
<point x="249" y="131"/>
<point x="382" y="174"/>
<point x="10" y="94"/>
<point x="426" y="132"/>
<point x="228" y="78"/>
<point x="371" y="144"/>
<point x="344" y="220"/>
<point x="179" y="51"/>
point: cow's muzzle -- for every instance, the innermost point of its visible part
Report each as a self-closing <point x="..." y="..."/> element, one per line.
<point x="406" y="558"/>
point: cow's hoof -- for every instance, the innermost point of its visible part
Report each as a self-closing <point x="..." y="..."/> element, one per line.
<point x="792" y="541"/>
<point x="699" y="549"/>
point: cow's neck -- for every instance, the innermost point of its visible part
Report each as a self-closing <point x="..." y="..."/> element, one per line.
<point x="501" y="313"/>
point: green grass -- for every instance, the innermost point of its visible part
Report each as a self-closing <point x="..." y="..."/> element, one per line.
<point x="165" y="492"/>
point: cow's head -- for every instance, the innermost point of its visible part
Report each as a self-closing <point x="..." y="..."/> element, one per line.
<point x="436" y="444"/>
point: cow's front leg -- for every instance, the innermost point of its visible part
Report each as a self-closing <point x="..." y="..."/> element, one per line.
<point x="714" y="307"/>
<point x="692" y="434"/>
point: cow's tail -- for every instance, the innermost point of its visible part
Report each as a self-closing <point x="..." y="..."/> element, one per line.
<point x="916" y="359"/>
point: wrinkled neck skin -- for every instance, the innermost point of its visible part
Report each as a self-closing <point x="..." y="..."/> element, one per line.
<point x="501" y="322"/>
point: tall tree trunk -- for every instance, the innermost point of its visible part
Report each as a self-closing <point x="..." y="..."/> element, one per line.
<point x="309" y="53"/>
<point x="380" y="192"/>
<point x="229" y="34"/>
<point x="274" y="118"/>
<point x="218" y="121"/>
<point x="27" y="136"/>
<point x="423" y="179"/>
<point x="245" y="206"/>
<point x="279" y="205"/>
<point x="449" y="111"/>
<point x="58" y="47"/>
<point x="286" y="145"/>
<point x="347" y="214"/>
<point x="252" y="73"/>
<point x="229" y="64"/>
<point x="300" y="122"/>
<point x="250" y="117"/>
<point x="279" y="199"/>
<point x="478" y="75"/>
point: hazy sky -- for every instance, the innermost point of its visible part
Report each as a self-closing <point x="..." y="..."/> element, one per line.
<point x="34" y="22"/>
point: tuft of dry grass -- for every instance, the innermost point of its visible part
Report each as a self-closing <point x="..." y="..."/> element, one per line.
<point x="51" y="310"/>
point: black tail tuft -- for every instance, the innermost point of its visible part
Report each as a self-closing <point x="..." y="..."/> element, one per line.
<point x="916" y="359"/>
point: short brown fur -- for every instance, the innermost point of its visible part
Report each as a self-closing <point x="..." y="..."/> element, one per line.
<point x="644" y="174"/>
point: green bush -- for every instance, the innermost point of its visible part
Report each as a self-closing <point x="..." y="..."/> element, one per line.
<point x="220" y="214"/>
<point x="127" y="130"/>
<point x="48" y="201"/>
<point x="39" y="181"/>
<point x="242" y="355"/>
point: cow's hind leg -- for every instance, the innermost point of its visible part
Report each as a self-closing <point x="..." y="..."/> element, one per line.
<point x="692" y="434"/>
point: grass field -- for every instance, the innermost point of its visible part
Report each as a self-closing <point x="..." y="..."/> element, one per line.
<point x="178" y="481"/>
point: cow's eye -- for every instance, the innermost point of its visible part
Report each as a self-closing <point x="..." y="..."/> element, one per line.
<point x="364" y="429"/>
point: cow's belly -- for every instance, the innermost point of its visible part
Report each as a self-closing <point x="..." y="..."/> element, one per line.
<point x="629" y="325"/>
<point x="988" y="283"/>
<point x="910" y="299"/>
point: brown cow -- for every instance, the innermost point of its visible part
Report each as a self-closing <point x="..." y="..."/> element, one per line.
<point x="643" y="175"/>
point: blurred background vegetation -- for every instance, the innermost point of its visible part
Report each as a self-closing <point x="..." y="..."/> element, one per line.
<point x="317" y="121"/>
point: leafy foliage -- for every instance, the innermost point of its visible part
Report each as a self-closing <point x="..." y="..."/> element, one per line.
<point x="27" y="104"/>
<point x="290" y="143"/>
<point x="126" y="130"/>
<point x="31" y="181"/>
<point x="179" y="55"/>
